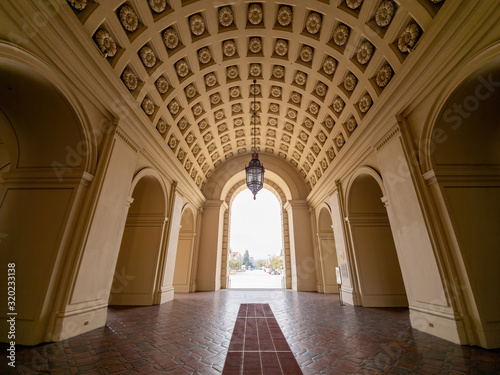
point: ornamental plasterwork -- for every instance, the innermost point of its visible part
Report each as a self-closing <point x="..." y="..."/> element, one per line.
<point x="341" y="35"/>
<point x="148" y="56"/>
<point x="365" y="103"/>
<point x="329" y="65"/>
<point x="158" y="6"/>
<point x="128" y="18"/>
<point x="364" y="53"/>
<point x="384" y="13"/>
<point x="408" y="37"/>
<point x="170" y="38"/>
<point x="339" y="140"/>
<point x="197" y="25"/>
<point x="281" y="47"/>
<point x="162" y="85"/>
<point x="306" y="54"/>
<point x="130" y="79"/>
<point x="302" y="87"/>
<point x="384" y="75"/>
<point x="226" y="16"/>
<point x="284" y="16"/>
<point x="313" y="23"/>
<point x="229" y="48"/>
<point x="106" y="43"/>
<point x="255" y="14"/>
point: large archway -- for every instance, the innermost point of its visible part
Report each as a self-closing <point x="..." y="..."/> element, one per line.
<point x="231" y="195"/>
<point x="463" y="162"/>
<point x="137" y="274"/>
<point x="45" y="159"/>
<point x="380" y="280"/>
<point x="184" y="259"/>
<point x="327" y="251"/>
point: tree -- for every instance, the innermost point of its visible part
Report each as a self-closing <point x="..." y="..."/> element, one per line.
<point x="234" y="264"/>
<point x="246" y="259"/>
<point x="277" y="262"/>
<point x="261" y="263"/>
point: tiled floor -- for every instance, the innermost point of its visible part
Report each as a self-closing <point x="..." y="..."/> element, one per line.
<point x="191" y="335"/>
<point x="258" y="346"/>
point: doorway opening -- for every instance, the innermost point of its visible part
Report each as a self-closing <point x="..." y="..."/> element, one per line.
<point x="256" y="256"/>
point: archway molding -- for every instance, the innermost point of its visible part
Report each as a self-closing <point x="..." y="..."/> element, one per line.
<point x="185" y="262"/>
<point x="327" y="254"/>
<point x="237" y="188"/>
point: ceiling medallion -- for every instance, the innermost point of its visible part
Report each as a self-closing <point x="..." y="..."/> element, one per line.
<point x="148" y="57"/>
<point x="197" y="109"/>
<point x="338" y="104"/>
<point x="182" y="68"/>
<point x="172" y="142"/>
<point x="105" y="43"/>
<point x="341" y="35"/>
<point x="170" y="38"/>
<point x="182" y="124"/>
<point x="278" y="71"/>
<point x="215" y="99"/>
<point x="314" y="108"/>
<point x="210" y="79"/>
<point x="408" y="37"/>
<point x="306" y="54"/>
<point x="329" y="122"/>
<point x="340" y="140"/>
<point x="276" y="91"/>
<point x="78" y="4"/>
<point x="365" y="103"/>
<point x="255" y="14"/>
<point x="128" y="18"/>
<point x="295" y="97"/>
<point x="197" y="25"/>
<point x="226" y="16"/>
<point x="364" y="53"/>
<point x="255" y="89"/>
<point x="236" y="108"/>
<point x="161" y="126"/>
<point x="255" y="70"/>
<point x="300" y="78"/>
<point x="384" y="75"/>
<point x="350" y="82"/>
<point x="281" y="47"/>
<point x="148" y="106"/>
<point x="232" y="72"/>
<point x="384" y="13"/>
<point x="313" y="23"/>
<point x="273" y="107"/>
<point x="234" y="92"/>
<point x="284" y="16"/>
<point x="130" y="79"/>
<point x="162" y="85"/>
<point x="219" y="115"/>
<point x="329" y="65"/>
<point x="292" y="114"/>
<point x="158" y="6"/>
<point x="351" y="124"/>
<point x="229" y="48"/>
<point x="190" y="91"/>
<point x="255" y="45"/>
<point x="204" y="55"/>
<point x="321" y="89"/>
<point x="174" y="107"/>
<point x="353" y="4"/>
<point x="273" y="121"/>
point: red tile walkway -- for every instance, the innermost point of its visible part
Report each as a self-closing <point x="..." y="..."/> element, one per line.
<point x="258" y="346"/>
<point x="191" y="335"/>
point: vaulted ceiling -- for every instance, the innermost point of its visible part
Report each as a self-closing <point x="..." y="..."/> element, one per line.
<point x="320" y="67"/>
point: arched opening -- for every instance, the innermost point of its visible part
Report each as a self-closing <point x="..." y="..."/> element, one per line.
<point x="327" y="252"/>
<point x="256" y="247"/>
<point x="43" y="156"/>
<point x="137" y="269"/>
<point x="183" y="282"/>
<point x="376" y="262"/>
<point x="465" y="159"/>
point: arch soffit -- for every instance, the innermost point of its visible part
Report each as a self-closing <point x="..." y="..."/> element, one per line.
<point x="186" y="209"/>
<point x="487" y="56"/>
<point x="150" y="172"/>
<point x="364" y="170"/>
<point x="277" y="171"/>
<point x="319" y="212"/>
<point x="27" y="60"/>
<point x="239" y="186"/>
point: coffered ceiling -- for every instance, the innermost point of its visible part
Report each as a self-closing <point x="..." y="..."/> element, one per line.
<point x="320" y="67"/>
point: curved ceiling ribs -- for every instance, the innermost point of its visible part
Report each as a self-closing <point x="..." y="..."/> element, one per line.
<point x="320" y="67"/>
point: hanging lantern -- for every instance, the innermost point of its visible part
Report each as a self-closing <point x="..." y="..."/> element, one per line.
<point x="255" y="170"/>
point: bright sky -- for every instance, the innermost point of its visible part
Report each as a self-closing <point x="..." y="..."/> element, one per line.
<point x="256" y="224"/>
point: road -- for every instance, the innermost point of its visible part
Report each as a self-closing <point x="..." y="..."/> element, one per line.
<point x="257" y="279"/>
